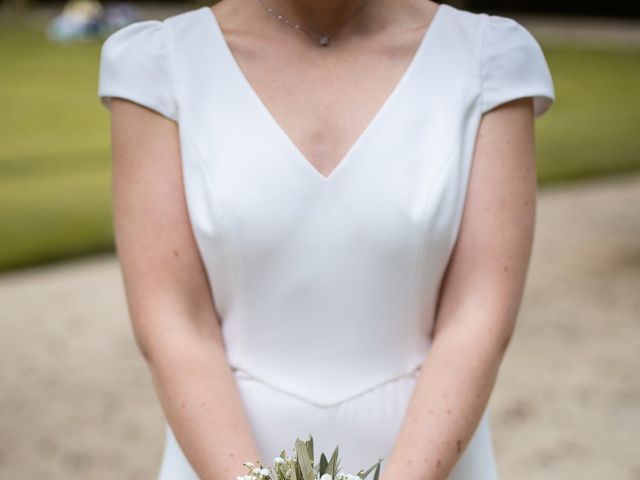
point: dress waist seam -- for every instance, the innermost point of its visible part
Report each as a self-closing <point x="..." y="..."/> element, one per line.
<point x="243" y="373"/>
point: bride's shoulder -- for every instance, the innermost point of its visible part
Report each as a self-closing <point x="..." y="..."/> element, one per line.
<point x="134" y="65"/>
<point x="509" y="61"/>
<point x="150" y="37"/>
<point x="481" y="27"/>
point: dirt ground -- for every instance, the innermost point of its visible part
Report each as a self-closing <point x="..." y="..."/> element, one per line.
<point x="77" y="402"/>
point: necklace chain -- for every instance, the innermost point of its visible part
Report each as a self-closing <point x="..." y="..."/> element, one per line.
<point x="323" y="40"/>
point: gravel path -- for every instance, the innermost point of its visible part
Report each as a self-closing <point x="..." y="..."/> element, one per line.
<point x="77" y="401"/>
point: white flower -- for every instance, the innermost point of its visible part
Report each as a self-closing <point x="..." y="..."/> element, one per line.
<point x="240" y="477"/>
<point x="343" y="476"/>
<point x="326" y="476"/>
<point x="256" y="471"/>
<point x="265" y="472"/>
<point x="278" y="460"/>
<point x="248" y="464"/>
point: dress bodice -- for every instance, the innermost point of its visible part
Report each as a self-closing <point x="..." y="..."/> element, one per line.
<point x="326" y="286"/>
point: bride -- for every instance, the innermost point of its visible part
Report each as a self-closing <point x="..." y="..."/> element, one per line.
<point x="324" y="212"/>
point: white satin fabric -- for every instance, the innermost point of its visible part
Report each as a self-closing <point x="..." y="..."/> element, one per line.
<point x="326" y="286"/>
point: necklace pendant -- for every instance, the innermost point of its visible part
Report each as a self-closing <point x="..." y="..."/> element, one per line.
<point x="324" y="40"/>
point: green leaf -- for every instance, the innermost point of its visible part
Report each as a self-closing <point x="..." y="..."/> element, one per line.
<point x="332" y="467"/>
<point x="304" y="462"/>
<point x="299" y="474"/>
<point x="362" y="474"/>
<point x="310" y="448"/>
<point x="322" y="468"/>
<point x="376" y="474"/>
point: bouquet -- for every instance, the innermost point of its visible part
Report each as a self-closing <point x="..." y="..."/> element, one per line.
<point x="300" y="466"/>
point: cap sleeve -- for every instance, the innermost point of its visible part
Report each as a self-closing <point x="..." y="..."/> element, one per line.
<point x="514" y="66"/>
<point x="134" y="65"/>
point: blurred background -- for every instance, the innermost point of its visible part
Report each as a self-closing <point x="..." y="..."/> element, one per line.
<point x="76" y="400"/>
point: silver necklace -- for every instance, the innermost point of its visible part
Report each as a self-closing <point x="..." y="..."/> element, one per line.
<point x="323" y="40"/>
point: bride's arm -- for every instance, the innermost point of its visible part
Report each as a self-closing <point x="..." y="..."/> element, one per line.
<point x="479" y="299"/>
<point x="174" y="321"/>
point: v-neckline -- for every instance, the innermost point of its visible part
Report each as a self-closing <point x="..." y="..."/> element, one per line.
<point x="386" y="104"/>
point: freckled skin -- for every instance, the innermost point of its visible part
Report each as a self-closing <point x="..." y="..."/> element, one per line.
<point x="475" y="374"/>
<point x="438" y="463"/>
<point x="175" y="253"/>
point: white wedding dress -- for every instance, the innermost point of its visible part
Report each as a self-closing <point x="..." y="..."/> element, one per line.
<point x="326" y="285"/>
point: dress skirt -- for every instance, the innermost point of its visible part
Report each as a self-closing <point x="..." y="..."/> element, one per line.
<point x="364" y="427"/>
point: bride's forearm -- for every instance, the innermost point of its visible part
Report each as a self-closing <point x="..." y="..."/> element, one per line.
<point x="449" y="398"/>
<point x="203" y="406"/>
<point x="479" y="299"/>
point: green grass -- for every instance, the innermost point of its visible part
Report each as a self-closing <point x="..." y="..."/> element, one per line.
<point x="54" y="145"/>
<point x="54" y="150"/>
<point x="593" y="128"/>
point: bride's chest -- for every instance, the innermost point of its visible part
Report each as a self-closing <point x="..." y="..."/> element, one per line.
<point x="250" y="188"/>
<point x="398" y="183"/>
<point x="323" y="102"/>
